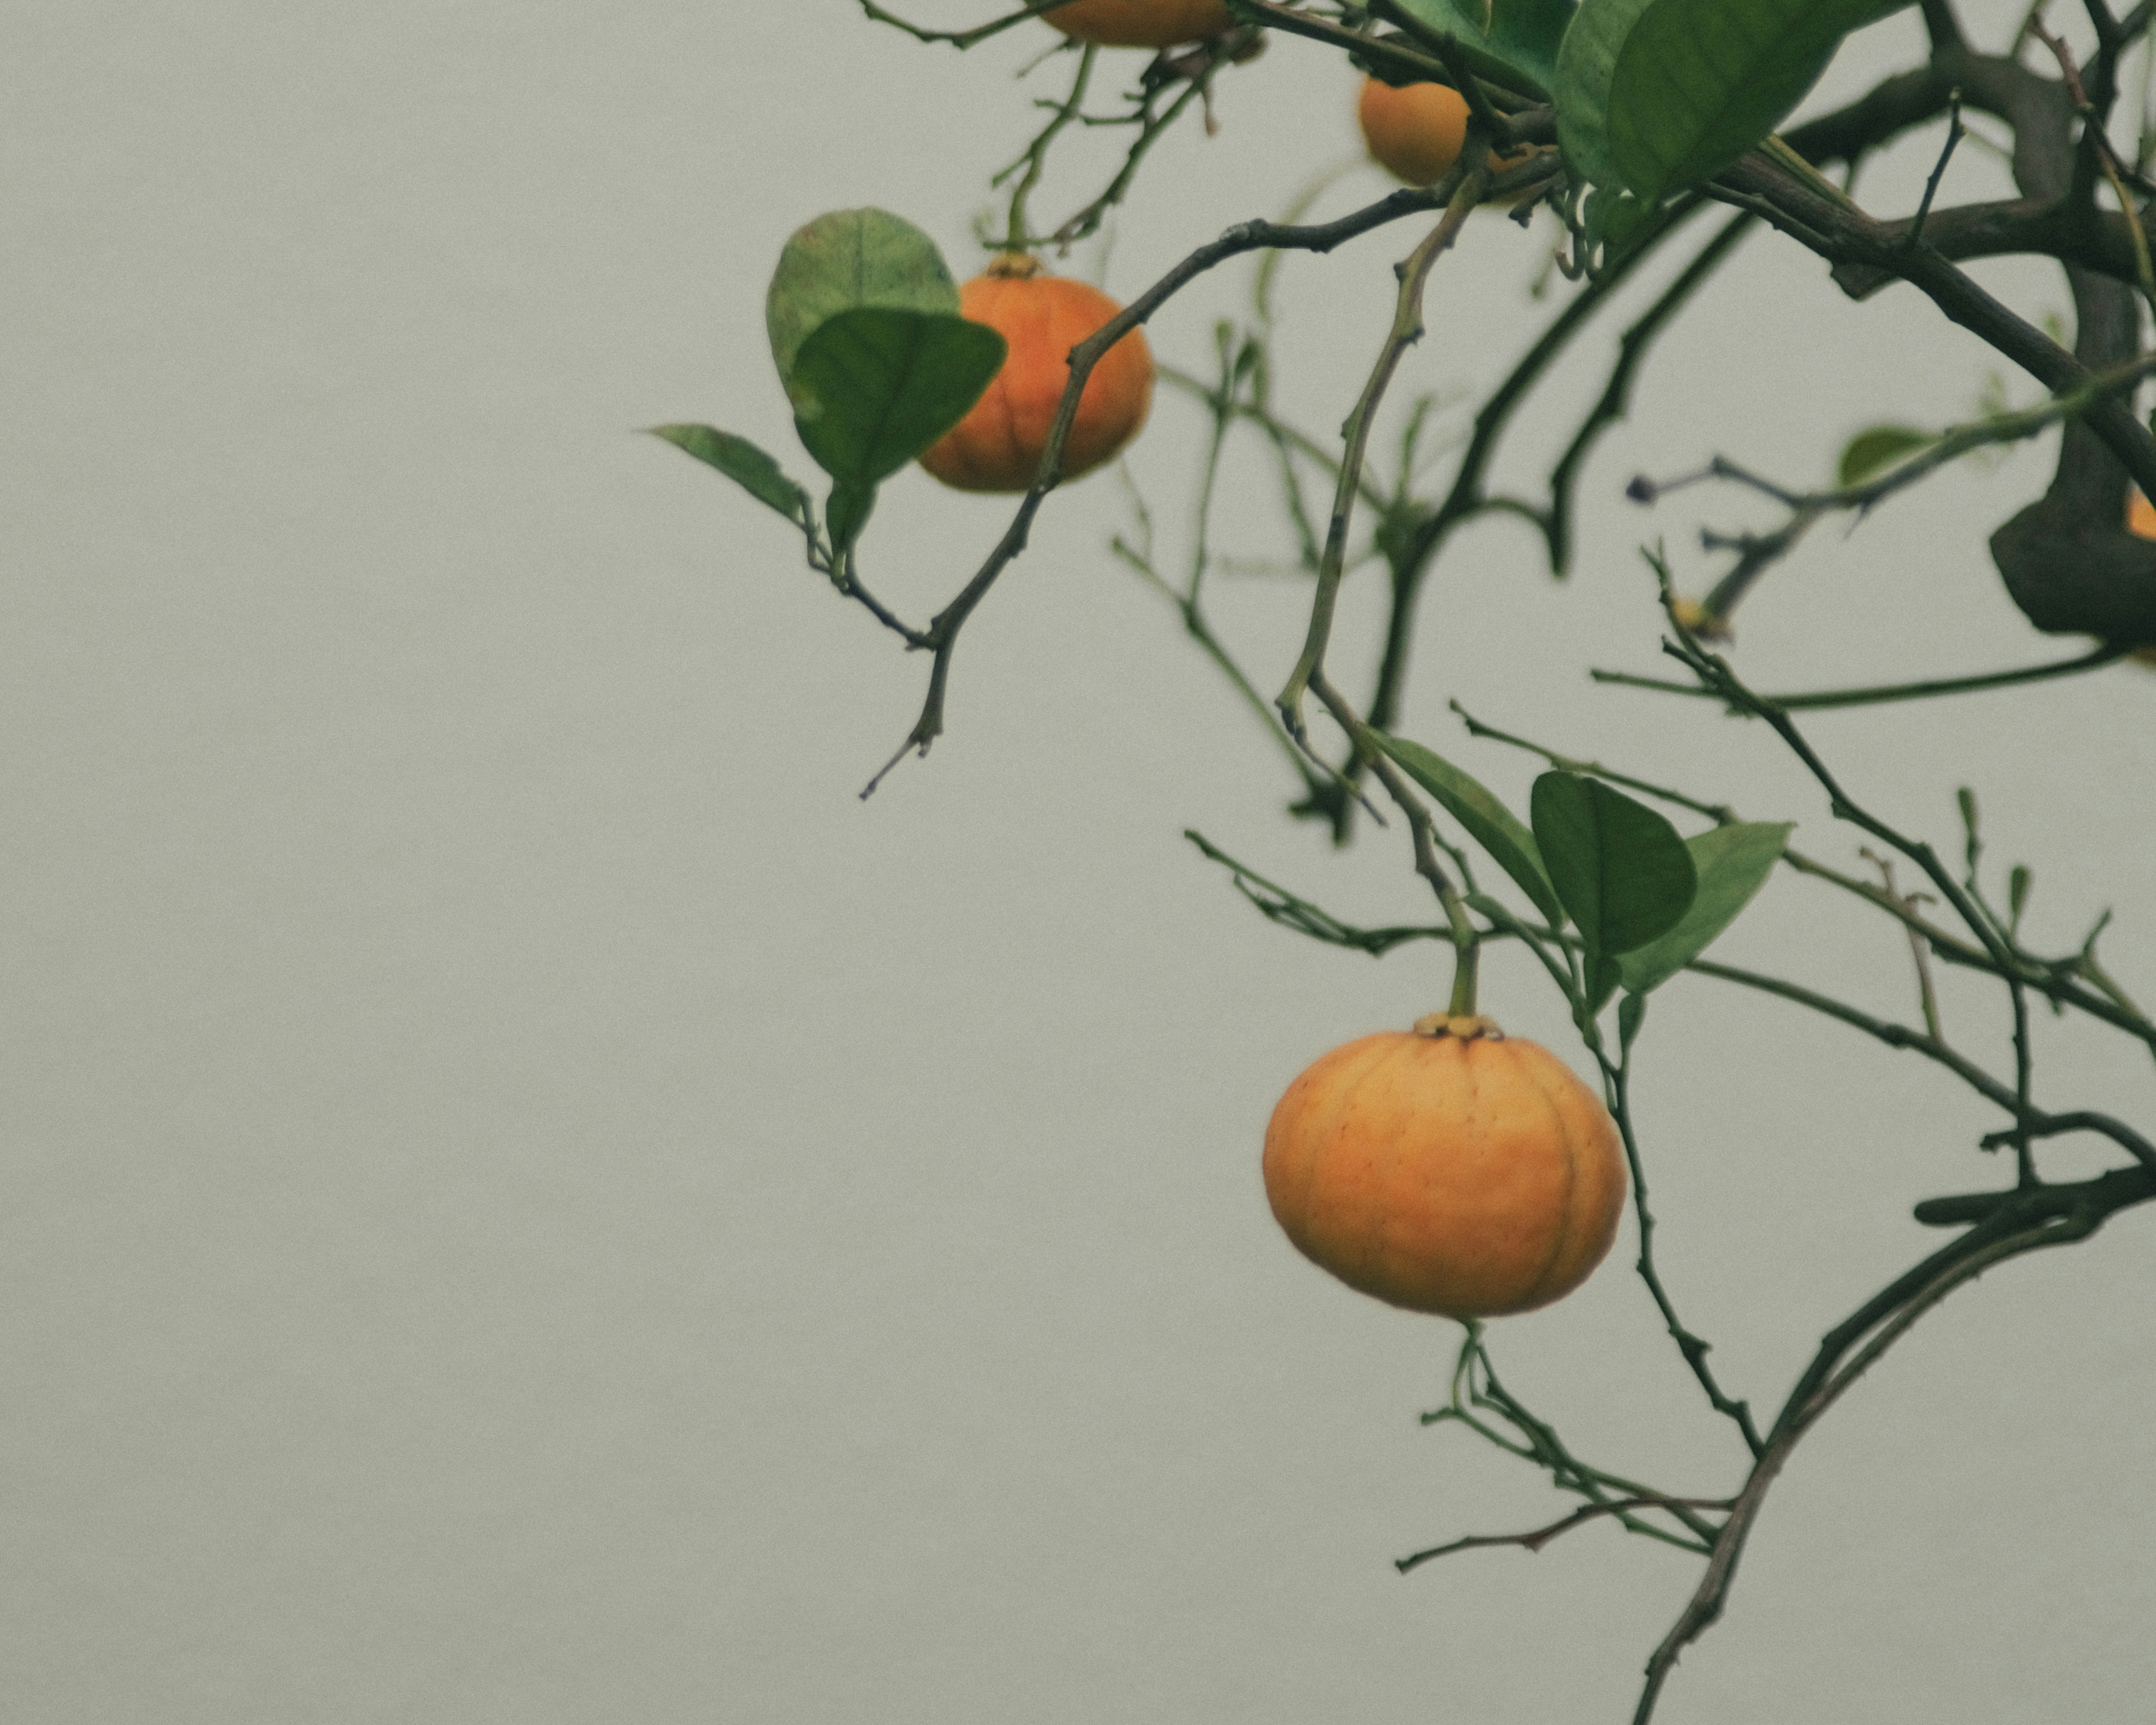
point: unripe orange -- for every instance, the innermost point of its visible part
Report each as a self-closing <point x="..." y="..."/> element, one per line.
<point x="1414" y="132"/>
<point x="1141" y="23"/>
<point x="997" y="447"/>
<point x="1451" y="1169"/>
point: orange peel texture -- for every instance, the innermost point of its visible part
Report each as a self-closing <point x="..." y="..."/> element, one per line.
<point x="997" y="447"/>
<point x="1468" y="1177"/>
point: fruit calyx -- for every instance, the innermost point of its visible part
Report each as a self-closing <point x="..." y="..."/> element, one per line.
<point x="1464" y="1027"/>
<point x="1012" y="266"/>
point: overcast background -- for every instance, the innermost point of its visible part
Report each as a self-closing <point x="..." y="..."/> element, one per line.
<point x="526" y="1201"/>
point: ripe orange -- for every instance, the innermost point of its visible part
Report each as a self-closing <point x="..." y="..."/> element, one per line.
<point x="1414" y="132"/>
<point x="997" y="446"/>
<point x="1451" y="1170"/>
<point x="1142" y="24"/>
<point x="2140" y="515"/>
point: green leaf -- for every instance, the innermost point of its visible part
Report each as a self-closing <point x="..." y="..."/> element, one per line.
<point x="1493" y="825"/>
<point x="1603" y="977"/>
<point x="743" y="463"/>
<point x="1619" y="867"/>
<point x="848" y="258"/>
<point x="875" y="386"/>
<point x="846" y="512"/>
<point x="1513" y="43"/>
<point x="1734" y="863"/>
<point x="1632" y="1014"/>
<point x="1697" y="83"/>
<point x="1877" y="447"/>
<point x="1586" y="62"/>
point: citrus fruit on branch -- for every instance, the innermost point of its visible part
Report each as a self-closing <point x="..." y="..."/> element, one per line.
<point x="1141" y="23"/>
<point x="1451" y="1169"/>
<point x="1414" y="132"/>
<point x="997" y="447"/>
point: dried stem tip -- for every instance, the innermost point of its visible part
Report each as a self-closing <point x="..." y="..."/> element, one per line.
<point x="1464" y="1027"/>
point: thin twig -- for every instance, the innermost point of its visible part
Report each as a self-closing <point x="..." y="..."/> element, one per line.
<point x="1878" y="694"/>
<point x="1541" y="1537"/>
<point x="1955" y="132"/>
<point x="1463" y="187"/>
<point x="1016" y="236"/>
<point x="1693" y="1346"/>
<point x="1927" y="997"/>
<point x="2035" y="1120"/>
<point x="961" y="40"/>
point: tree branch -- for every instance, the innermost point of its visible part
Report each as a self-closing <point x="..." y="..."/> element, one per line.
<point x="942" y="635"/>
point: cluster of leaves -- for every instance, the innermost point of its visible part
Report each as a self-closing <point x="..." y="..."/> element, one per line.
<point x="876" y="362"/>
<point x="1644" y="901"/>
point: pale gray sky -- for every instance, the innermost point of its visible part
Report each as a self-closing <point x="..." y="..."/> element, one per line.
<point x="527" y="1202"/>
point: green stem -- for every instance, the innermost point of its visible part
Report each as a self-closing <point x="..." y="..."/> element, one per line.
<point x="1016" y="236"/>
<point x="1880" y="693"/>
<point x="1466" y="960"/>
<point x="1464" y="191"/>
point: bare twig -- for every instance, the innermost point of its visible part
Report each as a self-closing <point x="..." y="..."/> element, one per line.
<point x="1759" y="552"/>
<point x="1879" y="693"/>
<point x="1955" y="132"/>
<point x="1464" y="187"/>
<point x="1927" y="997"/>
<point x="1541" y="1537"/>
<point x="1692" y="1346"/>
<point x="961" y="39"/>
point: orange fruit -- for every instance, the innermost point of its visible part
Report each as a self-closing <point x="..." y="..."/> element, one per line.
<point x="2140" y="515"/>
<point x="1451" y="1169"/>
<point x="1141" y="23"/>
<point x="1414" y="132"/>
<point x="997" y="446"/>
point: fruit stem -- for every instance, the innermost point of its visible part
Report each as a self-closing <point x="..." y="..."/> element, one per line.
<point x="1466" y="959"/>
<point x="1016" y="237"/>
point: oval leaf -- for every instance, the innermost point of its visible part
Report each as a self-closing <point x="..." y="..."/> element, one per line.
<point x="1493" y="825"/>
<point x="1734" y="863"/>
<point x="846" y="512"/>
<point x="743" y="462"/>
<point x="1697" y="83"/>
<point x="848" y="258"/>
<point x="1513" y="43"/>
<point x="1621" y="869"/>
<point x="1877" y="447"/>
<point x="1586" y="62"/>
<point x="875" y="386"/>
